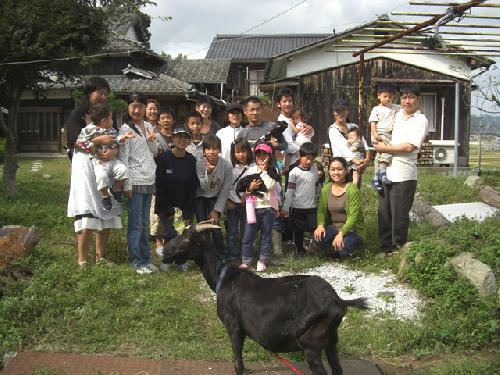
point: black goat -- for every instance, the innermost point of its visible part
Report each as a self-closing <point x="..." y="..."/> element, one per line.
<point x="284" y="314"/>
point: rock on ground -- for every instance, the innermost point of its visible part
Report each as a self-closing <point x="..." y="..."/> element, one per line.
<point x="473" y="181"/>
<point x="424" y="211"/>
<point x="489" y="196"/>
<point x="479" y="274"/>
<point x="17" y="242"/>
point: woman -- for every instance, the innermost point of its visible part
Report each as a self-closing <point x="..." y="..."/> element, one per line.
<point x="137" y="154"/>
<point x="204" y="108"/>
<point x="337" y="134"/>
<point x="84" y="203"/>
<point x="340" y="219"/>
<point x="152" y="108"/>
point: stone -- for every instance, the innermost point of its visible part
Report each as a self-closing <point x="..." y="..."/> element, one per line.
<point x="489" y="196"/>
<point x="46" y="176"/>
<point x="17" y="242"/>
<point x="403" y="262"/>
<point x="479" y="274"/>
<point x="419" y="258"/>
<point x="473" y="181"/>
<point x="425" y="212"/>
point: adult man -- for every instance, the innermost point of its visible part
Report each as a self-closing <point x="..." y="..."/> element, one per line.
<point x="395" y="201"/>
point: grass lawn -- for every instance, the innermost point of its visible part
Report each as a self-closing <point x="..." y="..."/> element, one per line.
<point x="115" y="311"/>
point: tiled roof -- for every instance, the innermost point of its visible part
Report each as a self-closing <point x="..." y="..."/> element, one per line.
<point x="258" y="47"/>
<point x="198" y="71"/>
<point x="161" y="84"/>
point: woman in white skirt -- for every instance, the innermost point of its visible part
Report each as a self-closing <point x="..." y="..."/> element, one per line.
<point x="84" y="203"/>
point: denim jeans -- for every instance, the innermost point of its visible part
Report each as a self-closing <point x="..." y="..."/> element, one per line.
<point x="236" y="222"/>
<point x="138" y="229"/>
<point x="351" y="241"/>
<point x="265" y="220"/>
<point x="203" y="207"/>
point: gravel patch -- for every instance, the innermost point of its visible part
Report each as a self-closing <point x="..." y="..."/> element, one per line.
<point x="386" y="296"/>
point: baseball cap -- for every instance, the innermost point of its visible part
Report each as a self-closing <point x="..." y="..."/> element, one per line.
<point x="264" y="147"/>
<point x="181" y="131"/>
<point x="235" y="106"/>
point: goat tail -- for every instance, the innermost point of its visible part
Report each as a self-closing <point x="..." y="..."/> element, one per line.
<point x="358" y="303"/>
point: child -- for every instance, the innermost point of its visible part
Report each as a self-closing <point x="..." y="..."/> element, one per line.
<point x="229" y="134"/>
<point x="193" y="124"/>
<point x="166" y="119"/>
<point x="163" y="133"/>
<point x="295" y="137"/>
<point x="358" y="147"/>
<point x="381" y="123"/>
<point x="215" y="175"/>
<point x="241" y="159"/>
<point x="102" y="124"/>
<point x="300" y="198"/>
<point x="266" y="208"/>
<point x="321" y="177"/>
<point x="176" y="184"/>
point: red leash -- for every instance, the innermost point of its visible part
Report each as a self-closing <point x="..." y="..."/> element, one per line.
<point x="287" y="364"/>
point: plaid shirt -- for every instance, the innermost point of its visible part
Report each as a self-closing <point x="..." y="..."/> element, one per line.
<point x="92" y="131"/>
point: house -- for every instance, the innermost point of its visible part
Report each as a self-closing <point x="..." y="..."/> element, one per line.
<point x="249" y="55"/>
<point x="325" y="70"/>
<point x="128" y="65"/>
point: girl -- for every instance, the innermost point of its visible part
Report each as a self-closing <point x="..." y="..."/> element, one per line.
<point x="137" y="154"/>
<point x="266" y="208"/>
<point x="340" y="219"/>
<point x="241" y="158"/>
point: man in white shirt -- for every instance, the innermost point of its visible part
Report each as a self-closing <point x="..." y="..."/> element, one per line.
<point x="410" y="129"/>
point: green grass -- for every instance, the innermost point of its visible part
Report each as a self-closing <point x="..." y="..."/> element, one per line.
<point x="115" y="311"/>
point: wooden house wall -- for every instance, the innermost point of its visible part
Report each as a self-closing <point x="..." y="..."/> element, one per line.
<point x="317" y="92"/>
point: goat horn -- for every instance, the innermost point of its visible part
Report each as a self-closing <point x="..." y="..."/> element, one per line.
<point x="204" y="225"/>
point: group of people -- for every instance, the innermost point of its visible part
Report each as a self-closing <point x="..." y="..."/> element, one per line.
<point x="173" y="174"/>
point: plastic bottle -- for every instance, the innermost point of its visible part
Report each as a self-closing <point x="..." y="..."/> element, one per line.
<point x="250" y="208"/>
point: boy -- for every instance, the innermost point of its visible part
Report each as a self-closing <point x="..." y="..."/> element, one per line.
<point x="215" y="176"/>
<point x="381" y="123"/>
<point x="102" y="124"/>
<point x="176" y="185"/>
<point x="193" y="124"/>
<point x="358" y="147"/>
<point x="229" y="134"/>
<point x="300" y="198"/>
<point x="163" y="132"/>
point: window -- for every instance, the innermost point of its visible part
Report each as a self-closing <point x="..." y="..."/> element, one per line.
<point x="427" y="105"/>
<point x="254" y="78"/>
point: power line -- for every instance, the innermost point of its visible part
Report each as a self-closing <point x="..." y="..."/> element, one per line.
<point x="254" y="27"/>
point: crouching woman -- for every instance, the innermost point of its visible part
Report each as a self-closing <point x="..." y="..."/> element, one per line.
<point x="340" y="220"/>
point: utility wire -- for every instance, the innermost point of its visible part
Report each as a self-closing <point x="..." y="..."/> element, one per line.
<point x="253" y="27"/>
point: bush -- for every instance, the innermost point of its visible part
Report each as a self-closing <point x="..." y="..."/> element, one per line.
<point x="2" y="149"/>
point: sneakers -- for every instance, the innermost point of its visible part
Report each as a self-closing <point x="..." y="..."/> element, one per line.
<point x="165" y="267"/>
<point x="107" y="204"/>
<point x="261" y="266"/>
<point x="159" y="251"/>
<point x="244" y="266"/>
<point x="151" y="267"/>
<point x="143" y="270"/>
<point x="376" y="183"/>
<point x="182" y="267"/>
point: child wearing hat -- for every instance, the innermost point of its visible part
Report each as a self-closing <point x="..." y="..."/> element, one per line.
<point x="266" y="208"/>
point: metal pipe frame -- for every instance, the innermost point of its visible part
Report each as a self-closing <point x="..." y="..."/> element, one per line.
<point x="440" y="32"/>
<point x="445" y="25"/>
<point x="430" y="14"/>
<point x="446" y="4"/>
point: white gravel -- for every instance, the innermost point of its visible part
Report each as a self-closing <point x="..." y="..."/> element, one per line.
<point x="386" y="296"/>
<point x="384" y="293"/>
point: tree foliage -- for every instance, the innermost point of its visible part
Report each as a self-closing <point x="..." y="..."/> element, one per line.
<point x="32" y="33"/>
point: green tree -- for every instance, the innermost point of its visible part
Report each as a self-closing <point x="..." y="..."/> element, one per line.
<point x="32" y="32"/>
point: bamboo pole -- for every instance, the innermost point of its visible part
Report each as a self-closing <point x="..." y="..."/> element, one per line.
<point x="430" y="14"/>
<point x="451" y="32"/>
<point x="445" y="25"/>
<point x="445" y="4"/>
<point x="420" y="37"/>
<point x="427" y="52"/>
<point x="446" y="43"/>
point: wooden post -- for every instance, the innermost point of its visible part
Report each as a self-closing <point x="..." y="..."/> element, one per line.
<point x="361" y="76"/>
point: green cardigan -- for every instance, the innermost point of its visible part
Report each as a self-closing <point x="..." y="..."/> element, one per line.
<point x="353" y="210"/>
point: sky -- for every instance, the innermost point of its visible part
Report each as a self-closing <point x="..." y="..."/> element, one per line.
<point x="196" y="22"/>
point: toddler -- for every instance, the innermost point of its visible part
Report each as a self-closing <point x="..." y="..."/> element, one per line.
<point x="105" y="171"/>
<point x="381" y="123"/>
<point x="358" y="147"/>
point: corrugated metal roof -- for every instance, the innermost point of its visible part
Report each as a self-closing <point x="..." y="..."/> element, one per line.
<point x="198" y="71"/>
<point x="258" y="47"/>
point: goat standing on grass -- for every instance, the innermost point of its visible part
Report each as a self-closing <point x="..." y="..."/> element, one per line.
<point x="284" y="314"/>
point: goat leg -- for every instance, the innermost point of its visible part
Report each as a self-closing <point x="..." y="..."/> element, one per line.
<point x="313" y="359"/>
<point x="237" y="340"/>
<point x="332" y="354"/>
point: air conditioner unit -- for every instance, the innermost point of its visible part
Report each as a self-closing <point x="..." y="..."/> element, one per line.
<point x="442" y="152"/>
